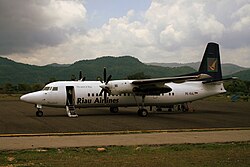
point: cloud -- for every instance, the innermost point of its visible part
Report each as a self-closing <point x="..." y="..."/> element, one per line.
<point x="168" y="31"/>
<point x="28" y="25"/>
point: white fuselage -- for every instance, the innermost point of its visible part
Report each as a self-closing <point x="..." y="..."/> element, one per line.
<point x="86" y="94"/>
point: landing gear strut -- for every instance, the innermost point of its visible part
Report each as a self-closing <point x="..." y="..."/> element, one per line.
<point x="142" y="111"/>
<point x="39" y="112"/>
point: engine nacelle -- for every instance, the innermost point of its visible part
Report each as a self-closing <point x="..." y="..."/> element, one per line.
<point x="119" y="87"/>
<point x="126" y="86"/>
<point x="151" y="90"/>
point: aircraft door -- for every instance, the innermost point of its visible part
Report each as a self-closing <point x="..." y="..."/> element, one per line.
<point x="70" y="99"/>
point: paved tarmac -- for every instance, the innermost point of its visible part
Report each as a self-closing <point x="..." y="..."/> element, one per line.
<point x="17" y="117"/>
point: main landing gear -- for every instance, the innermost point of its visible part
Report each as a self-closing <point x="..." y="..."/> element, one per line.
<point x="39" y="112"/>
<point x="114" y="109"/>
<point x="142" y="111"/>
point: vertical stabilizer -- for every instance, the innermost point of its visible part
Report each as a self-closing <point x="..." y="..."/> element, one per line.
<point x="211" y="63"/>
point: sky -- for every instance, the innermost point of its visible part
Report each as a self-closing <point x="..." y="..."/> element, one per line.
<point x="41" y="32"/>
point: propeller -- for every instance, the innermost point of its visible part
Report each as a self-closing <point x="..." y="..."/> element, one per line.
<point x="104" y="87"/>
<point x="81" y="78"/>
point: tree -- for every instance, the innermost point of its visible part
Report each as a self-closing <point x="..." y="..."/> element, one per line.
<point x="236" y="86"/>
<point x="23" y="87"/>
<point x="139" y="75"/>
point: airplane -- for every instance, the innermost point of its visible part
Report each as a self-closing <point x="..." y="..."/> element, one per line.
<point x="131" y="93"/>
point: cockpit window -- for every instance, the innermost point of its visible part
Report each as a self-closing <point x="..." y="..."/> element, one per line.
<point x="55" y="89"/>
<point x="46" y="88"/>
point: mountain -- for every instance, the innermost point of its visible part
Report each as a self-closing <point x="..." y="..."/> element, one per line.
<point x="13" y="72"/>
<point x="58" y="65"/>
<point x="243" y="75"/>
<point x="192" y="65"/>
<point x="120" y="67"/>
<point x="227" y="68"/>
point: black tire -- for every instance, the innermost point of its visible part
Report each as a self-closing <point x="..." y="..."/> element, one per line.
<point x="142" y="112"/>
<point x="159" y="109"/>
<point x="114" y="109"/>
<point x="39" y="113"/>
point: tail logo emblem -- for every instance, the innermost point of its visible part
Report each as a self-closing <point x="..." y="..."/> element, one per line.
<point x="212" y="65"/>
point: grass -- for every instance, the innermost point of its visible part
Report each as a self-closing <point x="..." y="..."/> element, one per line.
<point x="226" y="154"/>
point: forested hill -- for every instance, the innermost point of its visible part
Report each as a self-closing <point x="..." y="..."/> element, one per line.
<point x="227" y="68"/>
<point x="244" y="75"/>
<point x="119" y="67"/>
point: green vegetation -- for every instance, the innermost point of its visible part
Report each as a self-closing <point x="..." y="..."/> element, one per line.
<point x="227" y="68"/>
<point x="8" y="88"/>
<point x="120" y="67"/>
<point x="243" y="75"/>
<point x="227" y="154"/>
<point x="238" y="87"/>
<point x="139" y="75"/>
<point x="21" y="78"/>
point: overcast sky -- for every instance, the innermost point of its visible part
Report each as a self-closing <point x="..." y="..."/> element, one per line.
<point x="64" y="31"/>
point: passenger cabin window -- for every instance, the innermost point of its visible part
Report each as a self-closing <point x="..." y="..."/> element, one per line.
<point x="46" y="88"/>
<point x="55" y="89"/>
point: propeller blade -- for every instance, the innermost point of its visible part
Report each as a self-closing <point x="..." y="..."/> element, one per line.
<point x="80" y="75"/>
<point x="100" y="94"/>
<point x="109" y="78"/>
<point x="105" y="96"/>
<point x="104" y="75"/>
<point x="84" y="78"/>
<point x="105" y="88"/>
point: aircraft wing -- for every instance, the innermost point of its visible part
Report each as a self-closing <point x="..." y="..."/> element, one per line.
<point x="157" y="86"/>
<point x="219" y="80"/>
<point x="170" y="79"/>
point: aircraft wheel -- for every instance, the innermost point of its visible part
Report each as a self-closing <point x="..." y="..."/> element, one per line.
<point x="39" y="113"/>
<point x="159" y="109"/>
<point x="142" y="112"/>
<point x="114" y="109"/>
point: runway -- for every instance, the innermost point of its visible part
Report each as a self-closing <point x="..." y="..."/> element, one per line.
<point x="17" y="117"/>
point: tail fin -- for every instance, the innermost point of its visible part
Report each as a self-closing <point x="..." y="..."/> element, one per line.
<point x="210" y="63"/>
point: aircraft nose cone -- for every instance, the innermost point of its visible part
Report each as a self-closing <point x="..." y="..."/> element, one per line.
<point x="25" y="98"/>
<point x="35" y="97"/>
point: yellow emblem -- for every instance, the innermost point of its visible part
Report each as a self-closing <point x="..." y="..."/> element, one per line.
<point x="212" y="64"/>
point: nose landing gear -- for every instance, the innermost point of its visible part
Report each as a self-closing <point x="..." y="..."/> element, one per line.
<point x="39" y="112"/>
